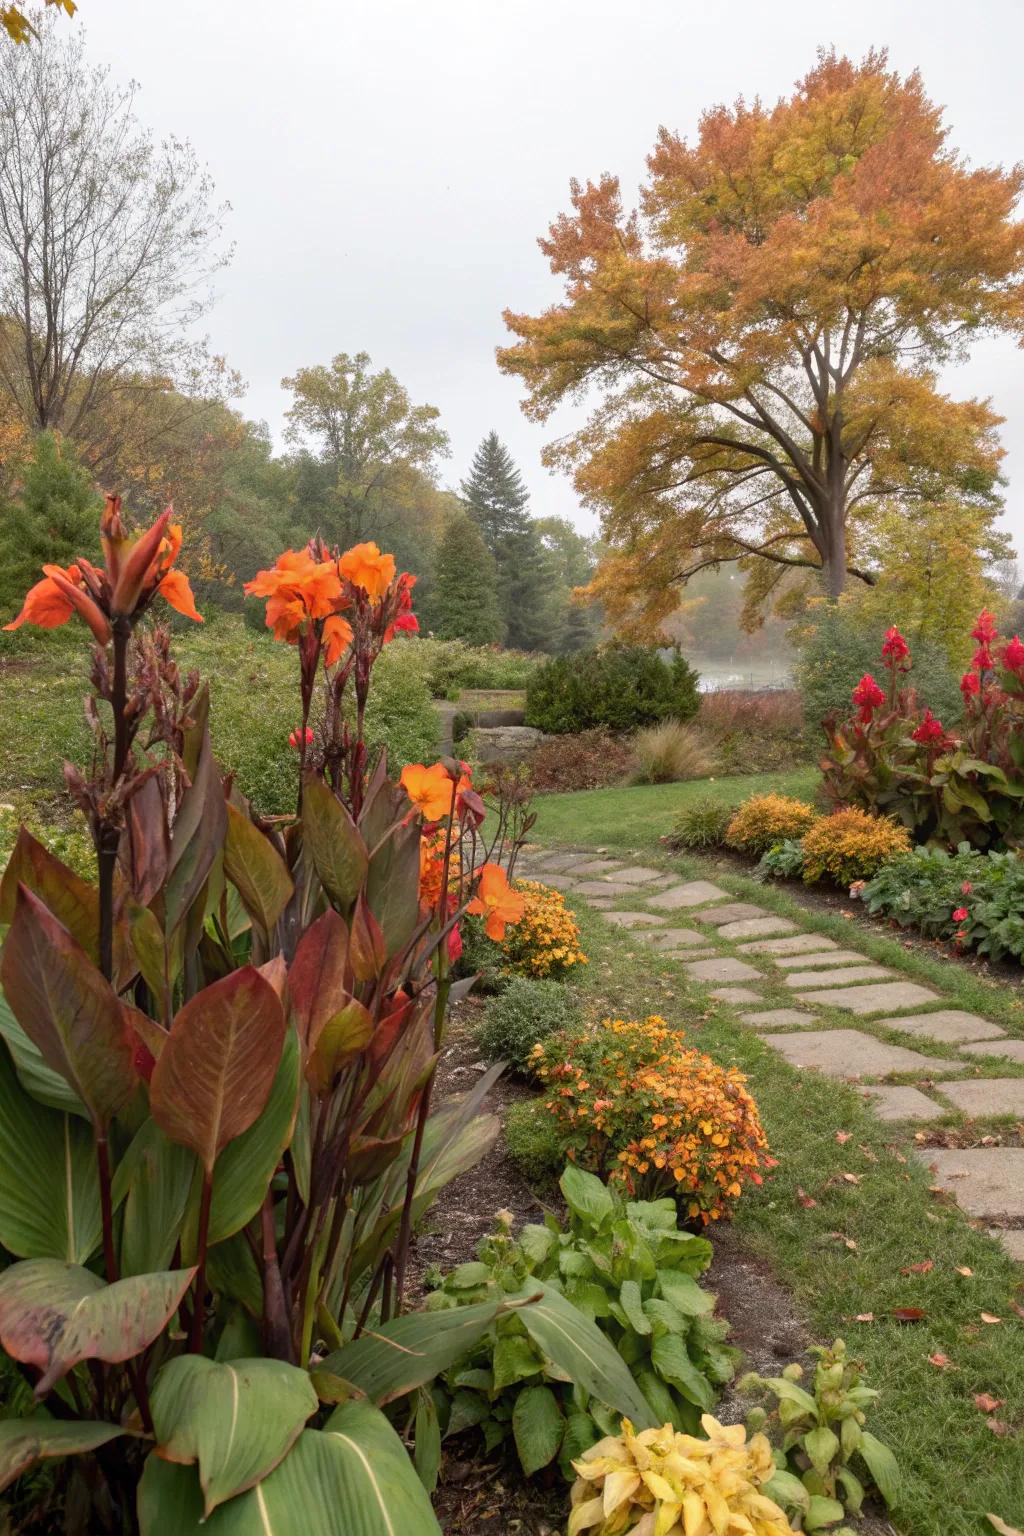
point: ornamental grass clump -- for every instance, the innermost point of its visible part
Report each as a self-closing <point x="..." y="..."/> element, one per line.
<point x="764" y="820"/>
<point x="850" y="845"/>
<point x="660" y="1483"/>
<point x="546" y="942"/>
<point x="632" y="1104"/>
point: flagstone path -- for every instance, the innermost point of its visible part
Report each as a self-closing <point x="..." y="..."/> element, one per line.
<point x="735" y="946"/>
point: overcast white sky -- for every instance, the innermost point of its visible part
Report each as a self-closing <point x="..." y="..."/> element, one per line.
<point x="390" y="163"/>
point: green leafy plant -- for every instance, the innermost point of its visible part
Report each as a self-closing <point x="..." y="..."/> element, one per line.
<point x="827" y="1458"/>
<point x="783" y="861"/>
<point x="527" y="1012"/>
<point x="619" y="686"/>
<point x="217" y="1123"/>
<point x="534" y="1143"/>
<point x="924" y="888"/>
<point x="702" y="823"/>
<point x="625" y="1267"/>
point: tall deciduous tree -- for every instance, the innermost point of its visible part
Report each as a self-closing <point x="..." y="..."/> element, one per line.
<point x="463" y="601"/>
<point x="765" y="331"/>
<point x="108" y="242"/>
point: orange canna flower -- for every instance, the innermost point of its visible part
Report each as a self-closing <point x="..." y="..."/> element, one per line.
<point x="337" y="638"/>
<point x="52" y="601"/>
<point x="496" y="901"/>
<point x="364" y="566"/>
<point x="430" y="789"/>
<point x="298" y="588"/>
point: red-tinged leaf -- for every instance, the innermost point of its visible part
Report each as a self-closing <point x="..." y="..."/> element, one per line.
<point x="986" y="1403"/>
<point x="67" y="1008"/>
<point x="72" y="900"/>
<point x="52" y="1315"/>
<point x="23" y="1442"/>
<point x="334" y="842"/>
<point x="864" y="1317"/>
<point x="999" y="1427"/>
<point x="217" y="1068"/>
<point x="941" y="1362"/>
<point x="806" y="1200"/>
<point x="843" y="1137"/>
<point x="148" y="1038"/>
<point x="370" y="1155"/>
<point x="924" y="1268"/>
<point x="316" y="977"/>
<point x="342" y="1038"/>
<point x="276" y="973"/>
<point x="199" y="827"/>
<point x="988" y="1317"/>
<point x="908" y="1314"/>
<point x="1015" y="1306"/>
<point x="393" y="885"/>
<point x="367" y="952"/>
<point x="149" y="847"/>
<point x="256" y="870"/>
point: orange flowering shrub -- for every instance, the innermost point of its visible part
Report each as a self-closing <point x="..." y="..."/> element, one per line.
<point x="546" y="940"/>
<point x="632" y="1104"/>
<point x="764" y="820"/>
<point x="851" y="845"/>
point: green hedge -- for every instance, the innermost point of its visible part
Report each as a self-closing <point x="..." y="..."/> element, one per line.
<point x="622" y="687"/>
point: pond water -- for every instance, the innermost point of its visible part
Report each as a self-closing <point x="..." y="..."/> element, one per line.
<point x="743" y="672"/>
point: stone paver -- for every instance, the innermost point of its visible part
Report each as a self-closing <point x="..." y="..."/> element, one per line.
<point x="1008" y="1050"/>
<point x="846" y="977"/>
<point x="778" y="1018"/>
<point x="674" y="938"/>
<point x="558" y="861"/>
<point x="638" y="874"/>
<point x="799" y="944"/>
<point x="987" y="1095"/>
<point x="754" y="927"/>
<point x="950" y="1025"/>
<point x="729" y="912"/>
<point x="880" y="999"/>
<point x="686" y="954"/>
<point x="556" y="882"/>
<point x="609" y="886"/>
<point x="820" y="957"/>
<point x="895" y="1103"/>
<point x="986" y="1182"/>
<point x="723" y="969"/>
<point x="692" y="894"/>
<point x="635" y="919"/>
<point x="1012" y="1239"/>
<point x="596" y="867"/>
<point x="850" y="1053"/>
<point x="735" y="995"/>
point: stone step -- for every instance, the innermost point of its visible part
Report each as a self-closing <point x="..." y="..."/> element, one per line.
<point x="979" y="1096"/>
<point x="850" y="1053"/>
<point x="606" y="886"/>
<point x="723" y="969"/>
<point x="778" y="1018"/>
<point x="673" y="938"/>
<point x="848" y="977"/>
<point x="898" y="1103"/>
<point x="1008" y="1050"/>
<point x="728" y="912"/>
<point x="635" y="919"/>
<point x="799" y="944"/>
<point x="735" y="995"/>
<point x="754" y="927"/>
<point x="950" y="1025"/>
<point x="692" y="894"/>
<point x="596" y="867"/>
<point x="822" y="957"/>
<point x="986" y="1182"/>
<point x="639" y="874"/>
<point x="873" y="999"/>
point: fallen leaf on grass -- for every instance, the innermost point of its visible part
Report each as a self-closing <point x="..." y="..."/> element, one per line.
<point x="805" y="1200"/>
<point x="1002" y="1527"/>
<point x="843" y="1137"/>
<point x="942" y="1362"/>
<point x="924" y="1268"/>
<point x="999" y="1427"/>
<point x="864" y="1317"/>
<point x="988" y="1317"/>
<point x="986" y="1403"/>
<point x="964" y="1269"/>
<point x="852" y="1178"/>
<point x="907" y="1314"/>
<point x="1015" y="1306"/>
<point x="848" y="1241"/>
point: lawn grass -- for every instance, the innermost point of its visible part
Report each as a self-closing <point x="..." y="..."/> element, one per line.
<point x="841" y="1246"/>
<point x="636" y="816"/>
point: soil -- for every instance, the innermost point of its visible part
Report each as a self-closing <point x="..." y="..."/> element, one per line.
<point x="483" y="1498"/>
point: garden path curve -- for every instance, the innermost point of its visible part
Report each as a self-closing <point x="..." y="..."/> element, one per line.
<point x="736" y="949"/>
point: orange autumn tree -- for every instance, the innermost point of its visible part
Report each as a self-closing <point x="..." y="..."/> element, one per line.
<point x="762" y="335"/>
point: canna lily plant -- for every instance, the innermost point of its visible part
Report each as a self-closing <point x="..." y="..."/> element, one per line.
<point x="217" y="1124"/>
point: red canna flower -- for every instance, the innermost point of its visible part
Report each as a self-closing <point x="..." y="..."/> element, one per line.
<point x="970" y="684"/>
<point x="981" y="661"/>
<point x="868" y="697"/>
<point x="295" y="737"/>
<point x="1013" y="656"/>
<point x="985" y="630"/>
<point x="960" y="914"/>
<point x="895" y="649"/>
<point x="930" y="732"/>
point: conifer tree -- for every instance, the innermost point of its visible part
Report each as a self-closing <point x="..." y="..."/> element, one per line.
<point x="495" y="494"/>
<point x="464" y="594"/>
<point x="51" y="518"/>
<point x="497" y="500"/>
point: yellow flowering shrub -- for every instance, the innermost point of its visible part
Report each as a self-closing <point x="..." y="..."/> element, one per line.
<point x="546" y="939"/>
<point x="632" y="1104"/>
<point x="764" y="820"/>
<point x="851" y="845"/>
<point x="661" y="1483"/>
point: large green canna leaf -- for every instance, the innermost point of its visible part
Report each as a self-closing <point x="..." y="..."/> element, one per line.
<point x="67" y="1008"/>
<point x="333" y="842"/>
<point x="393" y="885"/>
<point x="52" y="1315"/>
<point x="538" y="1427"/>
<point x="353" y="1478"/>
<point x="217" y="1069"/>
<point x="154" y="1179"/>
<point x="49" y="1187"/>
<point x="578" y="1348"/>
<point x="26" y="1441"/>
<point x="37" y="1079"/>
<point x="403" y="1354"/>
<point x="237" y="1419"/>
<point x="256" y="869"/>
<point x="200" y="824"/>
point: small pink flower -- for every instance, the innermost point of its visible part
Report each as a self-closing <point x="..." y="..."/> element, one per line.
<point x="960" y="914"/>
<point x="966" y="888"/>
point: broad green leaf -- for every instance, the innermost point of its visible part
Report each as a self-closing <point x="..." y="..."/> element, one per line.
<point x="580" y="1434"/>
<point x="216" y="1071"/>
<point x="670" y="1359"/>
<point x="631" y="1303"/>
<point x="153" y="1178"/>
<point x="882" y="1465"/>
<point x="67" y="1008"/>
<point x="344" y="1034"/>
<point x="538" y="1426"/>
<point x="853" y="1489"/>
<point x="821" y="1445"/>
<point x="52" y="1315"/>
<point x="537" y="1243"/>
<point x="199" y="826"/>
<point x="684" y="1293"/>
<point x="354" y="1478"/>
<point x="246" y="1166"/>
<point x="232" y="1271"/>
<point x="403" y="1354"/>
<point x="787" y="1490"/>
<point x="822" y="1512"/>
<point x="789" y="1392"/>
<point x="26" y="1441"/>
<point x="515" y="1359"/>
<point x="237" y="1419"/>
<point x="586" y="1196"/>
<point x="37" y="1079"/>
<point x="579" y="1348"/>
<point x="427" y="1440"/>
<point x="49" y="1188"/>
<point x="333" y="841"/>
<point x="256" y="870"/>
<point x="392" y="887"/>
